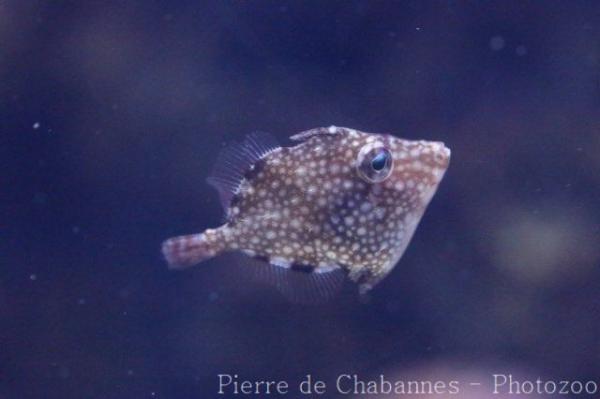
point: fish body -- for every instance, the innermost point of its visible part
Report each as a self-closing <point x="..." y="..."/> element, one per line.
<point x="340" y="199"/>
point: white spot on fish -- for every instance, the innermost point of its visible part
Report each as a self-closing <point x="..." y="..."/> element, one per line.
<point x="271" y="234"/>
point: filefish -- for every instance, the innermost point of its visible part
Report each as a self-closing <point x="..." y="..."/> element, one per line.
<point x="340" y="202"/>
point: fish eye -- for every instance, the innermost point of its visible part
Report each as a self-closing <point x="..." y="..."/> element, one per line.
<point x="374" y="163"/>
<point x="379" y="160"/>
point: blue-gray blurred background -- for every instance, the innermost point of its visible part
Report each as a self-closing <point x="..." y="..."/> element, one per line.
<point x="111" y="116"/>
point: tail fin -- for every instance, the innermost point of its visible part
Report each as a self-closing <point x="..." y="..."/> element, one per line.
<point x="185" y="251"/>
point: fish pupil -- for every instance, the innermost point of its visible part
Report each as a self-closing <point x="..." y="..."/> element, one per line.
<point x="379" y="161"/>
<point x="375" y="164"/>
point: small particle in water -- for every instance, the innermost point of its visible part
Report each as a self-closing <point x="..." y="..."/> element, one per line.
<point x="36" y="125"/>
<point x="81" y="301"/>
<point x="393" y="306"/>
<point x="64" y="372"/>
<point x="213" y="296"/>
<point x="40" y="198"/>
<point x="521" y="50"/>
<point x="75" y="229"/>
<point x="32" y="277"/>
<point x="129" y="372"/>
<point x="497" y="43"/>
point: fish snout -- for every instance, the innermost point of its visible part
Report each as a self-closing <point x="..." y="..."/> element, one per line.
<point x="441" y="154"/>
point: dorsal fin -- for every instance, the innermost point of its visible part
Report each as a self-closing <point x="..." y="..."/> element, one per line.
<point x="235" y="160"/>
<point x="331" y="130"/>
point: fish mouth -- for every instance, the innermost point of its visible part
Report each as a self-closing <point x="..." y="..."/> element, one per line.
<point x="441" y="147"/>
<point x="441" y="154"/>
<point x="446" y="152"/>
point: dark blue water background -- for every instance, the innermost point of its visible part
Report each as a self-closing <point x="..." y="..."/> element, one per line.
<point x="112" y="114"/>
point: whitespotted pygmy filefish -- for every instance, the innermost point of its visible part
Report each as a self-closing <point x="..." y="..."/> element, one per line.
<point x="339" y="203"/>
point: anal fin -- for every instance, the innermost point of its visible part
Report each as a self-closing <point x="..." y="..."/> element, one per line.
<point x="303" y="284"/>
